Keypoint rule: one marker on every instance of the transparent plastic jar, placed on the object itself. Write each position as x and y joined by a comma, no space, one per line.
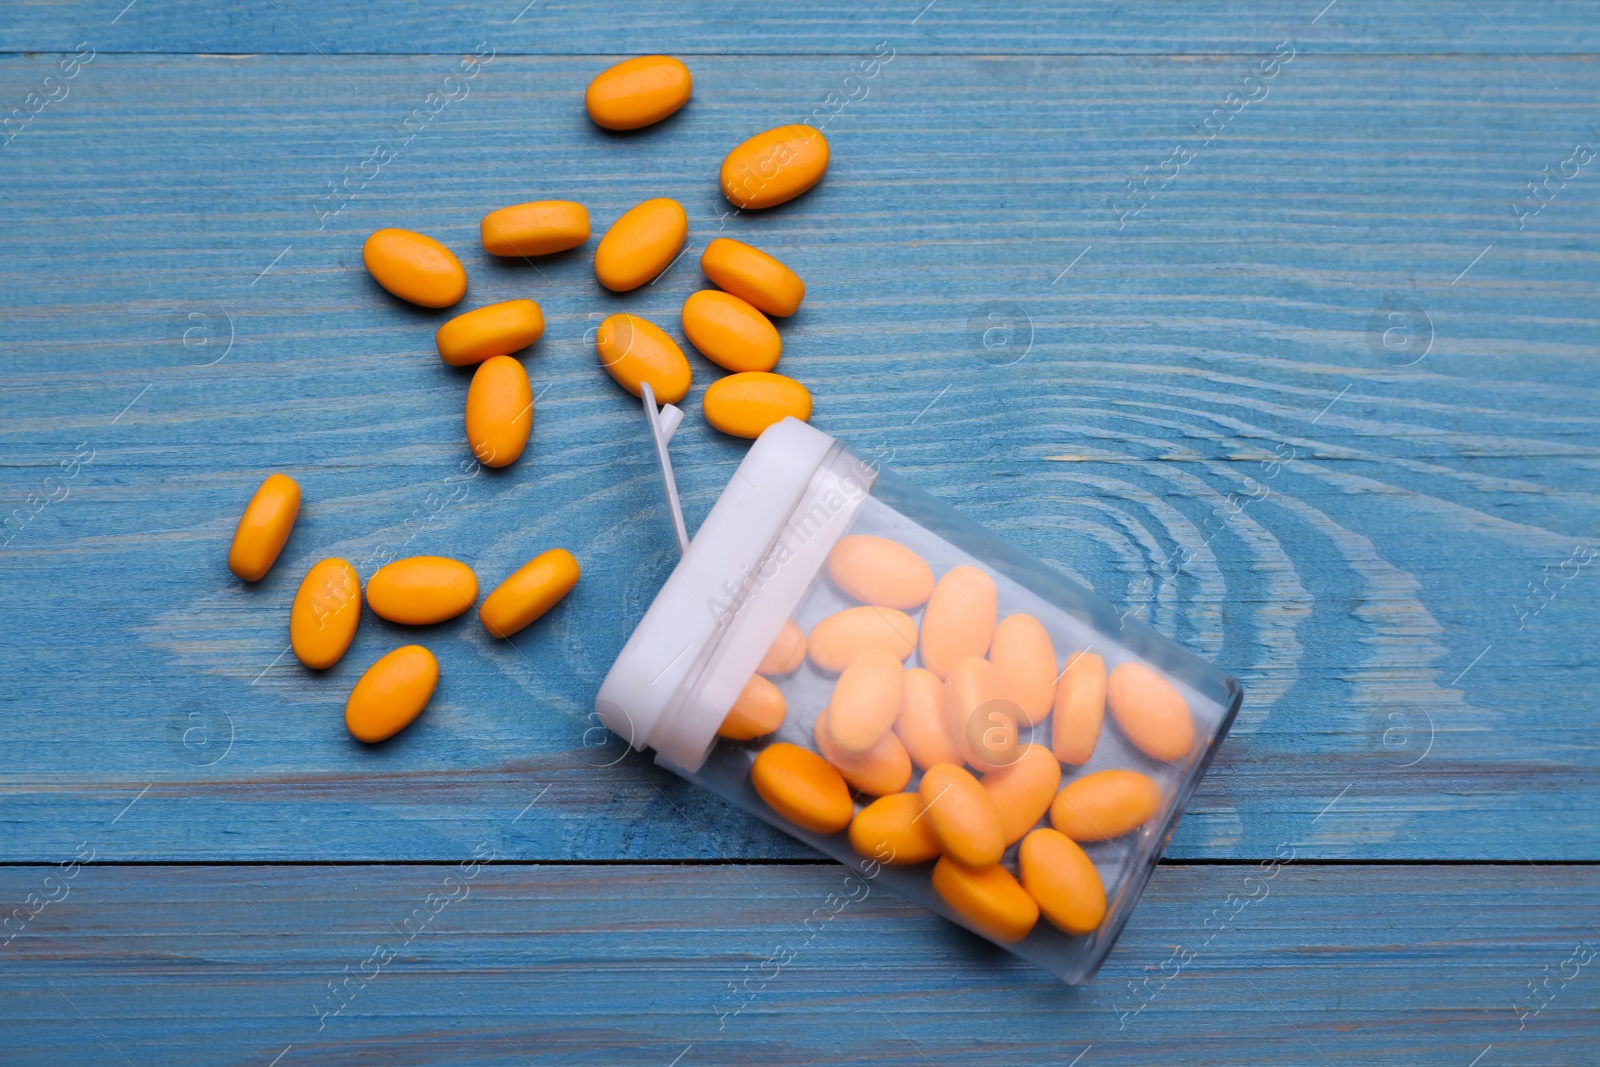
760,560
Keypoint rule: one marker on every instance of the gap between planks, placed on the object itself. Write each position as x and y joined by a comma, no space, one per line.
989,53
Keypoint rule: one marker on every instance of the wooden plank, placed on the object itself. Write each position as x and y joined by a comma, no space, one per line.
706,28
711,965
1372,591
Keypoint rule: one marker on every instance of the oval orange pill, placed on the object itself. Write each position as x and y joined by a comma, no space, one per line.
876,570
1104,805
499,413
753,276
1062,880
800,786
988,900
414,267
758,711
1080,707
531,591
866,700
264,527
961,815
921,723
637,92
421,589
891,830
633,350
391,694
980,716
730,332
1150,713
883,769
537,228
495,330
774,166
322,620
844,635
742,405
1022,652
788,651
641,244
959,620
1022,792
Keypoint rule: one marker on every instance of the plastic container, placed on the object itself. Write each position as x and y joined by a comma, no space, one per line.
759,560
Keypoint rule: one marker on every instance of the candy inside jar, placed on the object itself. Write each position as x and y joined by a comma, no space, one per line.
851,660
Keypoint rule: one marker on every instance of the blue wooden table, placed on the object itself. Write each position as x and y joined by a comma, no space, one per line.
1276,324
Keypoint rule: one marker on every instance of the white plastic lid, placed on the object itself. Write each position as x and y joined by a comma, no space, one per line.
790,500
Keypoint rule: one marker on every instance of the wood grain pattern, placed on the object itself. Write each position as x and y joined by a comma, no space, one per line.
658,965
1367,580
710,27
1243,314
